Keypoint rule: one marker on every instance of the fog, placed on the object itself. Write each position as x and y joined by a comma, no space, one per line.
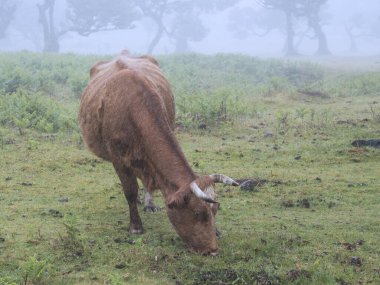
260,28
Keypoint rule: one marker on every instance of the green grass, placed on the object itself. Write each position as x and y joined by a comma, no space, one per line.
64,219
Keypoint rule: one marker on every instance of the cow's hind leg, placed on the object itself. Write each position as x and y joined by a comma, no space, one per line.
130,189
149,206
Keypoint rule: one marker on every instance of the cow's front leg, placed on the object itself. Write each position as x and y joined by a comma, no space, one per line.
130,189
149,206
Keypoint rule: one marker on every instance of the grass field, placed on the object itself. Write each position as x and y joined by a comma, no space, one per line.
314,218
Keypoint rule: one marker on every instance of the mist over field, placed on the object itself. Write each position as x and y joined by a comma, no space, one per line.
261,27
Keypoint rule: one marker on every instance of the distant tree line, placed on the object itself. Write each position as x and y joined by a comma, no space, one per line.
293,11
286,17
297,9
181,20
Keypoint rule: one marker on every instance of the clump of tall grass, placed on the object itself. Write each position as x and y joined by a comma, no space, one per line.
211,108
36,271
23,110
52,75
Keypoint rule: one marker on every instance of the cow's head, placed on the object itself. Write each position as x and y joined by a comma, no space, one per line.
192,211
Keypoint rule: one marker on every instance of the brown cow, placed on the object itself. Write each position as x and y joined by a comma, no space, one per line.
127,117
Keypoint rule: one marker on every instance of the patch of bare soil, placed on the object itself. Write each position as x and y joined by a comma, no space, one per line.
353,245
302,203
340,281
314,94
86,161
287,203
52,212
295,274
124,240
346,122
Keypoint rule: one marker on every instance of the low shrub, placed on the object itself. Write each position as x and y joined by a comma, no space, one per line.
211,108
23,110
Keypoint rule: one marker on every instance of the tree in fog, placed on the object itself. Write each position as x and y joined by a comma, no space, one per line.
289,8
245,22
277,15
7,11
156,11
88,17
311,9
47,20
359,26
248,21
84,17
185,27
179,20
355,27
26,25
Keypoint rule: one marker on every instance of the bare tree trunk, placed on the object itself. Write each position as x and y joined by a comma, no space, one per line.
289,43
352,37
322,41
46,19
157,37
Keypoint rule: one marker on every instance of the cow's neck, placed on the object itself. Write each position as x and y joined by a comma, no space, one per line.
171,167
173,173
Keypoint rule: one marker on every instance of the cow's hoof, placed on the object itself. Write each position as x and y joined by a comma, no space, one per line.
136,229
151,209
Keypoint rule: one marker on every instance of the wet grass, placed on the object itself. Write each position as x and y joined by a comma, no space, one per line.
63,208
314,219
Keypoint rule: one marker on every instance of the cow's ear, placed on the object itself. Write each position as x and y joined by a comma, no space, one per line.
214,208
178,199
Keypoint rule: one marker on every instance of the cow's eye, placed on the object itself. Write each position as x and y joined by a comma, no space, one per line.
201,216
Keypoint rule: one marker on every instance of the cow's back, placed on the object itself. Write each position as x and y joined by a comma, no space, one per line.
113,89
